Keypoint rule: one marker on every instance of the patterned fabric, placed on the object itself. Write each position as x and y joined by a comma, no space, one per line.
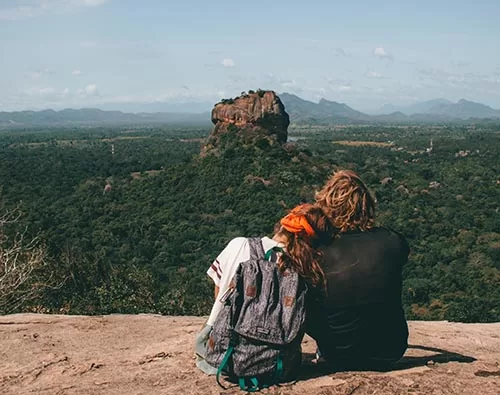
224,267
262,318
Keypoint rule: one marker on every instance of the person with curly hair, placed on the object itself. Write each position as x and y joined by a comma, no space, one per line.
359,322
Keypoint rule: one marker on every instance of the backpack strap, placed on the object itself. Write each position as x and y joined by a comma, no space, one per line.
271,253
256,248
254,384
223,364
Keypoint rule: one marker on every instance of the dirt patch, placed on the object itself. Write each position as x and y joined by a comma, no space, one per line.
193,140
136,175
110,140
354,143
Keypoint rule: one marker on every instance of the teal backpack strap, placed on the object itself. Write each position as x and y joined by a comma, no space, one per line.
279,369
270,252
223,364
243,386
253,388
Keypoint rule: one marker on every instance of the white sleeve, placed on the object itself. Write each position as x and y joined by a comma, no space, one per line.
225,264
223,269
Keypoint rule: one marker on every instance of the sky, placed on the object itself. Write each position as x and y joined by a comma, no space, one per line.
128,54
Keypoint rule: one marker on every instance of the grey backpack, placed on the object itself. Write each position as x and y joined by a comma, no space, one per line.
257,336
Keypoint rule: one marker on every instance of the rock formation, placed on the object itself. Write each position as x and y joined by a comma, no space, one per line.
151,354
248,118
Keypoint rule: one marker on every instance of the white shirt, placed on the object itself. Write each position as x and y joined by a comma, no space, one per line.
224,267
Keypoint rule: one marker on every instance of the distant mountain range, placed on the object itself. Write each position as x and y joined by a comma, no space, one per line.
304,111
301,112
89,116
463,109
439,110
415,108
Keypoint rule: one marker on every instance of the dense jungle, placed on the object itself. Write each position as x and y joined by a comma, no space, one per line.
128,219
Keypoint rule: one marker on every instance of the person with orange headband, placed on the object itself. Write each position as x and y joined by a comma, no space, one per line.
300,234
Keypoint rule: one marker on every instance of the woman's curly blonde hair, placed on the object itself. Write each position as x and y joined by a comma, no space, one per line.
347,202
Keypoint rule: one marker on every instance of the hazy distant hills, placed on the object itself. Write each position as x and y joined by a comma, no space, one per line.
438,110
463,109
416,108
323,112
97,116
301,112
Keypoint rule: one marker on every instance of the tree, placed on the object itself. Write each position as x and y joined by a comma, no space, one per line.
19,258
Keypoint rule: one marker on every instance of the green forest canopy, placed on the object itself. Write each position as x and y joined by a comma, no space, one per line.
145,244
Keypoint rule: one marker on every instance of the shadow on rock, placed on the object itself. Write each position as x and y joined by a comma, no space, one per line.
433,355
438,356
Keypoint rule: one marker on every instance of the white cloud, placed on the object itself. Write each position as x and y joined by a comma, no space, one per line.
40,73
46,91
15,13
373,74
42,92
461,84
76,73
345,88
92,3
381,53
288,84
89,90
173,95
34,8
228,62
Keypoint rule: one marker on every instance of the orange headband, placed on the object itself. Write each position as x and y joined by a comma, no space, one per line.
295,223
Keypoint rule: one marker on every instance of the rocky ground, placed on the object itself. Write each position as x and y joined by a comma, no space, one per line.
149,354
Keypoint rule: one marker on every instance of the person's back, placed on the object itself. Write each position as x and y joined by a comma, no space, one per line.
359,322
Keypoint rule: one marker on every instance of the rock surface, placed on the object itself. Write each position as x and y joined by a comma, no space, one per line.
257,114
149,354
